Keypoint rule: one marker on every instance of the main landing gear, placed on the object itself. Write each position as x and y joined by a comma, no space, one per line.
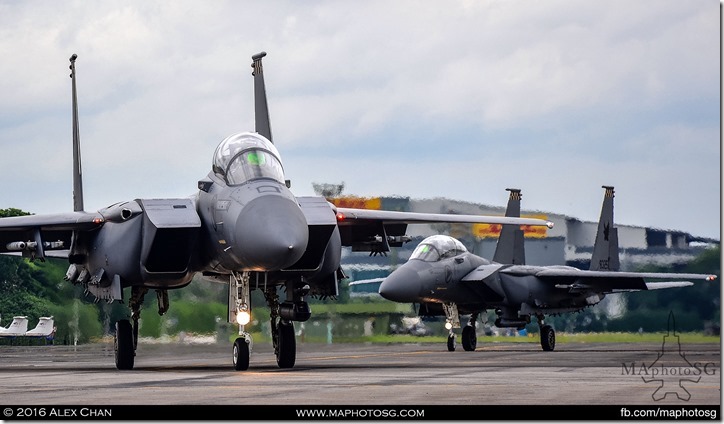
470,337
285,345
547,335
125,341
124,346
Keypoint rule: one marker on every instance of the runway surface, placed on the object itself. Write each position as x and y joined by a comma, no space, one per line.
366,374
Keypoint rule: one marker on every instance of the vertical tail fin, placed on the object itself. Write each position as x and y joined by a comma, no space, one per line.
261,110
605,248
77,172
510,248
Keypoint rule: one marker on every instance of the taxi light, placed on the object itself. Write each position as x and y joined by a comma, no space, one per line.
243,317
448,325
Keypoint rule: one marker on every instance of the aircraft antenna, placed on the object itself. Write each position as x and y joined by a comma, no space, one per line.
261,110
77,172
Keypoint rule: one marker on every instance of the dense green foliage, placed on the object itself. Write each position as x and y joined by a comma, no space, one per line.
4,213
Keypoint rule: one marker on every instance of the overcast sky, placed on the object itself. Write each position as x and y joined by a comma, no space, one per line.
457,99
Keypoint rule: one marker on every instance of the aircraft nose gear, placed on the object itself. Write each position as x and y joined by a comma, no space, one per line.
452,320
240,303
451,342
242,352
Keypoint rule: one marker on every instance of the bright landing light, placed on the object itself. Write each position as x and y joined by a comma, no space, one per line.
448,325
243,317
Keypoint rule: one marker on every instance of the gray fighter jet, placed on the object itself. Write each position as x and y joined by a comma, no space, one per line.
444,279
243,227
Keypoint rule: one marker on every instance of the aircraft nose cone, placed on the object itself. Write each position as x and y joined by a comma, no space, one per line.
271,233
402,285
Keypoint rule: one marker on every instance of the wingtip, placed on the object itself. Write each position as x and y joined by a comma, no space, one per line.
549,224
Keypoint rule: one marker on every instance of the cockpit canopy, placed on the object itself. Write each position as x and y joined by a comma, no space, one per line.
247,156
438,247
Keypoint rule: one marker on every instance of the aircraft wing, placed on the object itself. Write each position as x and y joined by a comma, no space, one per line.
52,231
349,216
368,281
377,230
574,279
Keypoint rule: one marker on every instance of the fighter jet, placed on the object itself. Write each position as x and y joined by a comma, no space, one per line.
445,279
243,227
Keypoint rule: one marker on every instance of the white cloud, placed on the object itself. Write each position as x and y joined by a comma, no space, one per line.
553,96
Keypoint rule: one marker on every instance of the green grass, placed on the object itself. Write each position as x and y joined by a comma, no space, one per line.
688,338
634,338
533,338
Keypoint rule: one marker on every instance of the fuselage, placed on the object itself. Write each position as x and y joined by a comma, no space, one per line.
432,274
251,220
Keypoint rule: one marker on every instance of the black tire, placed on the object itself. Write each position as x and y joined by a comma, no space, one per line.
547,338
241,354
287,352
123,345
470,339
451,343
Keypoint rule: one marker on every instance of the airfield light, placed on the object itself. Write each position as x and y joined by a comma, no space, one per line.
243,317
448,325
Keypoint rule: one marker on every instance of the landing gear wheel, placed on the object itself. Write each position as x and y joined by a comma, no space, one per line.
287,351
547,338
123,345
241,354
470,339
451,343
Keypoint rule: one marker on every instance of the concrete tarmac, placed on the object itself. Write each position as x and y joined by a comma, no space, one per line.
366,374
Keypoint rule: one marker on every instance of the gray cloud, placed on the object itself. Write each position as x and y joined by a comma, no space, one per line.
557,98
